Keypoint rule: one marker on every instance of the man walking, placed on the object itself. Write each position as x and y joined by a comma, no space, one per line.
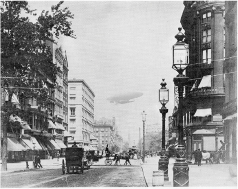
199,157
38,162
195,157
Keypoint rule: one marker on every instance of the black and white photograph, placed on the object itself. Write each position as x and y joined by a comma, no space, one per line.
118,94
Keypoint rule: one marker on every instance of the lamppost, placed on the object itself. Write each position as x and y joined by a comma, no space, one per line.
143,119
163,98
180,62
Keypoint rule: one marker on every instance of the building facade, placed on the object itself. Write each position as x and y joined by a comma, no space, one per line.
203,22
104,131
230,81
34,127
81,112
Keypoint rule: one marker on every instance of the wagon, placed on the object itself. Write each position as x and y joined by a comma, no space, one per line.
74,160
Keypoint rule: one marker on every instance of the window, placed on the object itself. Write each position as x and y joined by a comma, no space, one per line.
72,132
206,36
72,121
72,88
72,98
72,111
206,56
206,17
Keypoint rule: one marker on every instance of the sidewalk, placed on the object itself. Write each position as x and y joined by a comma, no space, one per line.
206,175
21,166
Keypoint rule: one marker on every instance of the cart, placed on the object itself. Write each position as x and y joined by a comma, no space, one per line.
74,160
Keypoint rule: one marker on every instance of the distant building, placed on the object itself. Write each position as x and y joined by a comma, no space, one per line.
81,111
104,130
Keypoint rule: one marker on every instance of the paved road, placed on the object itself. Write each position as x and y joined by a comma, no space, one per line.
97,176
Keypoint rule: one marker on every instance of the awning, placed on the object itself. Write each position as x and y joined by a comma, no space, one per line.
24,144
172,138
25,125
60,143
54,144
92,137
51,125
205,82
36,144
42,145
231,117
203,112
66,134
14,145
15,99
204,132
194,85
59,126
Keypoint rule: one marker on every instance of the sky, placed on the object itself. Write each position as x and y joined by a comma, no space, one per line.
123,50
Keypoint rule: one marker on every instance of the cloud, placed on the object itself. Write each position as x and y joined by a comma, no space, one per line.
125,97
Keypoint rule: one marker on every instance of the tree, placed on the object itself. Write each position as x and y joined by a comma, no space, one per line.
125,147
26,58
153,141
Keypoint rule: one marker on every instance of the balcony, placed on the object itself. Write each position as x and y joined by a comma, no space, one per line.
207,91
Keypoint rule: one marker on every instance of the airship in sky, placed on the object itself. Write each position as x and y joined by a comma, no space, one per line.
125,98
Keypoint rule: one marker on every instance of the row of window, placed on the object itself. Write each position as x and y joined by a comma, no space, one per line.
101,129
86,114
85,101
85,92
206,39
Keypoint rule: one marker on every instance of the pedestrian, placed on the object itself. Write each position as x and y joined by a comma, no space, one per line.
107,152
38,162
127,159
199,157
58,156
195,157
222,150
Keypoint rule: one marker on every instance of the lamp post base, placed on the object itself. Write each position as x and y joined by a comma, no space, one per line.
163,165
180,169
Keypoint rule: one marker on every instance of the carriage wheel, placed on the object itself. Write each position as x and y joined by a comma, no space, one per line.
108,162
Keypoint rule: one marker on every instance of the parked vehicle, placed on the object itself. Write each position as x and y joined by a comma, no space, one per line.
74,160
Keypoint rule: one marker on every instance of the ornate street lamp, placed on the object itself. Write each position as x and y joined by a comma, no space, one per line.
143,119
163,98
180,62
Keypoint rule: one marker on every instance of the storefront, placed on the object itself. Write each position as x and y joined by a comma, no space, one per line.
16,150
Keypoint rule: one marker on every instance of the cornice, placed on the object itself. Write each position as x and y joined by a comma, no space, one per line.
214,5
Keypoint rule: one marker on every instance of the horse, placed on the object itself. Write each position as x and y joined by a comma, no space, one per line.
216,156
207,157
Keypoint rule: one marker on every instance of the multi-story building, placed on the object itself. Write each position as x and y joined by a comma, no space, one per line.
203,22
230,81
81,111
39,128
60,115
104,131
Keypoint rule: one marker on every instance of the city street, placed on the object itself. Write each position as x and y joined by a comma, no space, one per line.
98,175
